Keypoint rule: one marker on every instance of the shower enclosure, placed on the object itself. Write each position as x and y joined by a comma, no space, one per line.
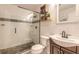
17,27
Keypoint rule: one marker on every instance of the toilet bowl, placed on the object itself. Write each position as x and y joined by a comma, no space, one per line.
38,48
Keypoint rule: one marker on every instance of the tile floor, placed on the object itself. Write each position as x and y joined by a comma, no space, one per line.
28,51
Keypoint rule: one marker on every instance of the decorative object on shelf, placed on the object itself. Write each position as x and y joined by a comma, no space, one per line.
44,14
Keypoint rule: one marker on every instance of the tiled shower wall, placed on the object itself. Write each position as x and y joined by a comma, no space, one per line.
11,18
10,38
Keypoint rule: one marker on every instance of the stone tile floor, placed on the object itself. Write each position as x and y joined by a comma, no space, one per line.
28,51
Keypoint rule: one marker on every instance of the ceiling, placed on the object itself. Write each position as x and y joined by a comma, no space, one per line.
33,7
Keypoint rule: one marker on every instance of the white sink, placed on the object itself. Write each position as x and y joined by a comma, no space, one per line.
75,39
65,42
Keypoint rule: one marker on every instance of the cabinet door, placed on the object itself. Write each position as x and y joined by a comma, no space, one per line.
77,49
72,48
51,48
65,51
56,50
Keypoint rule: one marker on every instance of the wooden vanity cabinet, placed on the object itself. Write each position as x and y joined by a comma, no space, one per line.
66,51
56,49
77,49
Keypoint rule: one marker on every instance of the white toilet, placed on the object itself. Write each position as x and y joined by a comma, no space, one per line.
38,48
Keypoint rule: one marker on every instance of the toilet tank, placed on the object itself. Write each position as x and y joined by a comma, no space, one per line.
44,40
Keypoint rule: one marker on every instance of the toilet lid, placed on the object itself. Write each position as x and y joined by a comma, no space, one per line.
37,47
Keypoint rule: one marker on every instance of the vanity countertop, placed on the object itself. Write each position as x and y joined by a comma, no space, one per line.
65,42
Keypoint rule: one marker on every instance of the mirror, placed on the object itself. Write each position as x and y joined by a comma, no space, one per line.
66,13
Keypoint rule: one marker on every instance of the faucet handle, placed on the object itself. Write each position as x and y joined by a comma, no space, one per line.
68,34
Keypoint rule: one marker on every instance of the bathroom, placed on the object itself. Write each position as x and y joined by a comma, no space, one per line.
26,28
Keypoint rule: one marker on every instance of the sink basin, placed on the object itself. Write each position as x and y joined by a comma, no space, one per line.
75,39
65,42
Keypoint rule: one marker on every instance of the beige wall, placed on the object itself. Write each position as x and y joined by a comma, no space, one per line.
47,27
33,7
50,27
13,12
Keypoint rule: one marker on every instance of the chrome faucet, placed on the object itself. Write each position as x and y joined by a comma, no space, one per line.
64,35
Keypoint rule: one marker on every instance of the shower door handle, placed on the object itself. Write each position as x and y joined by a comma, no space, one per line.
15,30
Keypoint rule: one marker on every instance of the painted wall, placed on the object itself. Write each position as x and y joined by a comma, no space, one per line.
47,27
33,7
13,12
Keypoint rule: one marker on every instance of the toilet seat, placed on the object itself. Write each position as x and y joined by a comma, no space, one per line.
38,48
